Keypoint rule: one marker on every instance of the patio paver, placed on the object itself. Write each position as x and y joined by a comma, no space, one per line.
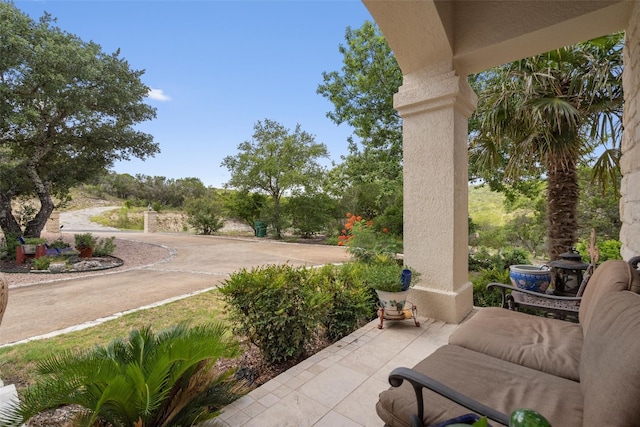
339,385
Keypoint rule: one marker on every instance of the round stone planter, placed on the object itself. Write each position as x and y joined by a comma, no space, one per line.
530,277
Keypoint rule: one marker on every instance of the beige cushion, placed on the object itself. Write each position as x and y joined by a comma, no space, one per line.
609,369
611,275
501,385
548,345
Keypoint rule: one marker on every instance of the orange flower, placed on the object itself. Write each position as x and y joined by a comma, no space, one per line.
385,230
348,214
348,225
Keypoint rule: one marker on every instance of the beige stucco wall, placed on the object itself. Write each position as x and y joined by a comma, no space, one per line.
630,164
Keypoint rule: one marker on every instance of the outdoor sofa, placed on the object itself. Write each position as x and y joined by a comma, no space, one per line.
574,374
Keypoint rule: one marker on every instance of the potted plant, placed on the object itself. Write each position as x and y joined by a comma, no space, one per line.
30,244
391,282
85,243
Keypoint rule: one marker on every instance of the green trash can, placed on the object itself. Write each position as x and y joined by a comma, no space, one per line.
261,228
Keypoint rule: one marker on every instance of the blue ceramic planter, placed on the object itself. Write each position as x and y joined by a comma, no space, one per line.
530,277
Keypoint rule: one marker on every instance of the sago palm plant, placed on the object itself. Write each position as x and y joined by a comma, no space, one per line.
163,379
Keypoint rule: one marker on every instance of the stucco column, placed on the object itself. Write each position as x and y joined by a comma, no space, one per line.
630,162
435,106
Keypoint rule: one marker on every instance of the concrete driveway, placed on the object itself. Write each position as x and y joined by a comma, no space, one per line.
193,263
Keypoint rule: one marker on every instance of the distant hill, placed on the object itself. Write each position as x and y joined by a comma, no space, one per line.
486,207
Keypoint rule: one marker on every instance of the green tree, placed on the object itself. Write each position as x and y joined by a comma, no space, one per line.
205,213
276,161
163,379
122,186
68,111
540,115
362,94
310,213
598,209
527,226
245,206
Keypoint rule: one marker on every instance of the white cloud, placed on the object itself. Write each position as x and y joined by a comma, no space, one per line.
158,95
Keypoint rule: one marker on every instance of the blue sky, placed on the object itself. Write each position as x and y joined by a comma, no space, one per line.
218,67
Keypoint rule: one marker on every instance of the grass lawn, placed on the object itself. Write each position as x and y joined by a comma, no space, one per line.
17,363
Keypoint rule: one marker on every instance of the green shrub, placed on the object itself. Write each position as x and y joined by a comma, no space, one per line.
104,246
351,303
277,307
383,274
59,244
512,256
483,258
34,241
310,213
365,244
9,246
42,263
126,221
204,214
487,298
609,249
480,259
85,240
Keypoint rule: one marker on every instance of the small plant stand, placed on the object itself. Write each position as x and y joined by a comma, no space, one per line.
410,311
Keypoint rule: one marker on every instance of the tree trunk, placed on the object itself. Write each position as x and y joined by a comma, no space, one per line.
8,222
276,216
36,225
562,205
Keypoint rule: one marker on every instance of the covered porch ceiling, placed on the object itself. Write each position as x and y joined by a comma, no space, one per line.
480,34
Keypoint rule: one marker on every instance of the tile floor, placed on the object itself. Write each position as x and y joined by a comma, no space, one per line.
339,386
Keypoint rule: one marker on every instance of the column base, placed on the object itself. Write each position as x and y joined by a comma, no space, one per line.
449,307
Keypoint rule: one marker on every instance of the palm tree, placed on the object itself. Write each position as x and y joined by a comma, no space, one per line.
164,379
543,116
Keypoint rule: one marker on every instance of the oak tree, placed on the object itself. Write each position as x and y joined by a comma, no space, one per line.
276,161
68,110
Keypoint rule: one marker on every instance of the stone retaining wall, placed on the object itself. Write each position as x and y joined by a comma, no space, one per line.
172,222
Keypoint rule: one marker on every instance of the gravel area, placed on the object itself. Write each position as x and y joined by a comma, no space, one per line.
133,253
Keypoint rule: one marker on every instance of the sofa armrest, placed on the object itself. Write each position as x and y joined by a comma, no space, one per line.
419,381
